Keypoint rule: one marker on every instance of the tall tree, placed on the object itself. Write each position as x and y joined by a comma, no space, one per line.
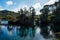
44,21
32,11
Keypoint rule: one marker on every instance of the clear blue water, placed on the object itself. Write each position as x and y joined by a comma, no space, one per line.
4,22
16,33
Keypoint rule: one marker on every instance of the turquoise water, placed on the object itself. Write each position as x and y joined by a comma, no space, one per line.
16,33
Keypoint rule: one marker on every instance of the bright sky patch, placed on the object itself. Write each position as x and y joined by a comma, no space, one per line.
9,3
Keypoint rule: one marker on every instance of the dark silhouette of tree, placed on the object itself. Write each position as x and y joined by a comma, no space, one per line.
32,11
57,17
44,20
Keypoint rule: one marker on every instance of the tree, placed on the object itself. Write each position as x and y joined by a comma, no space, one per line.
32,11
44,14
44,21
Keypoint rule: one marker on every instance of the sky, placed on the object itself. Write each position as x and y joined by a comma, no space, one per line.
16,5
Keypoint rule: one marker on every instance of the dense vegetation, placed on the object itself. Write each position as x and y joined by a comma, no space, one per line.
50,17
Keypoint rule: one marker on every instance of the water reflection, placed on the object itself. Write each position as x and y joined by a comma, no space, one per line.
23,32
18,33
10,29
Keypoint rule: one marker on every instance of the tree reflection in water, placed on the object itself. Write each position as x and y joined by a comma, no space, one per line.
23,32
10,29
18,33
